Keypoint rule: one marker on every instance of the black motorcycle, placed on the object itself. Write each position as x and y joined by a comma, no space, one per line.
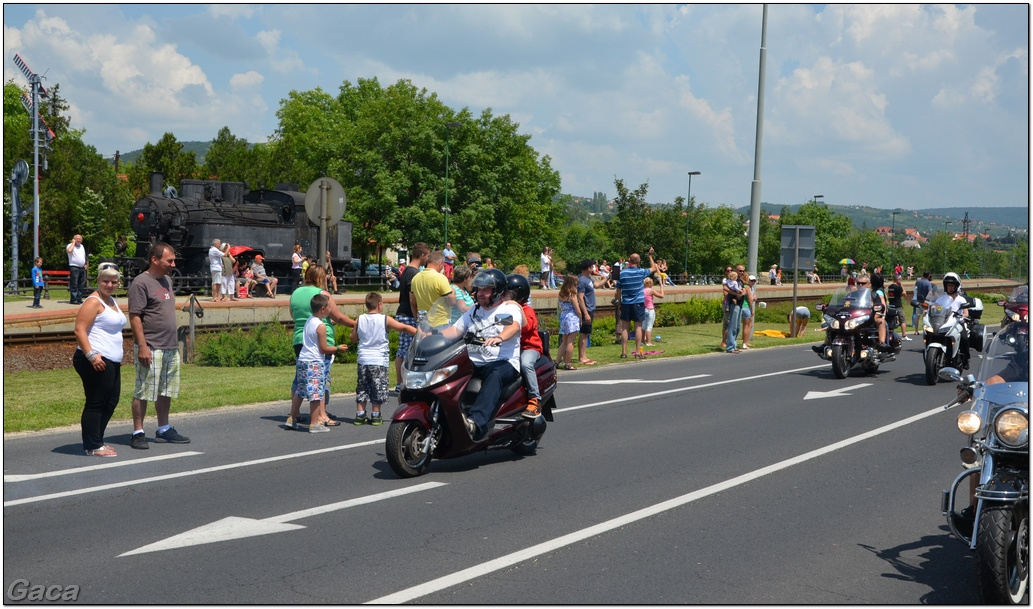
993,488
852,338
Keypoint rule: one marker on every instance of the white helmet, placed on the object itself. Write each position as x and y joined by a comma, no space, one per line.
951,278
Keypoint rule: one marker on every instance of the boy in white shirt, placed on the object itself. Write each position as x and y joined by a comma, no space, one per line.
371,336
311,365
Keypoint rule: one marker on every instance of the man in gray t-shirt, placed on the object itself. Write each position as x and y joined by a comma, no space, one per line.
152,318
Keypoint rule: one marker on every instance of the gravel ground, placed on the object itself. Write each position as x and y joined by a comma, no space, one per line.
54,356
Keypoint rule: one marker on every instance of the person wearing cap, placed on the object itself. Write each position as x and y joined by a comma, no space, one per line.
258,268
749,311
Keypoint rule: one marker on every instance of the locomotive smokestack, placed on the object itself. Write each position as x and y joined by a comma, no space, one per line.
157,179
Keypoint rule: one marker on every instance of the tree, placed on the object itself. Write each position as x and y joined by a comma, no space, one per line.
168,157
228,157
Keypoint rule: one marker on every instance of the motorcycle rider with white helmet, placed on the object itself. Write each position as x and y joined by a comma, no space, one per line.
952,288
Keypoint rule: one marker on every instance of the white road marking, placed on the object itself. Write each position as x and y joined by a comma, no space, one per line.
193,472
90,468
447,581
689,388
627,381
835,393
234,527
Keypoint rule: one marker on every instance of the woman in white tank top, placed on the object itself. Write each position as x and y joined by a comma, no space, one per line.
98,359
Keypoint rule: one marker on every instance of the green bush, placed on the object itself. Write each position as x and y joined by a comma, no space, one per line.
988,297
268,344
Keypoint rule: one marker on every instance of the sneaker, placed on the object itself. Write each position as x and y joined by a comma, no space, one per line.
360,419
533,409
376,420
906,337
318,428
139,441
171,436
394,392
471,427
291,423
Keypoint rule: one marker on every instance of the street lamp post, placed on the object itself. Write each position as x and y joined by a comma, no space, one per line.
816,197
448,131
945,224
893,237
688,203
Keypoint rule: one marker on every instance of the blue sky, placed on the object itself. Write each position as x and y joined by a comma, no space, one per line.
912,106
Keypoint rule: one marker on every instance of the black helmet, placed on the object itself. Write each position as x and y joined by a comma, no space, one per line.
520,286
491,278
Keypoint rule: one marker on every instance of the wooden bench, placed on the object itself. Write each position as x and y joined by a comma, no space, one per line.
56,278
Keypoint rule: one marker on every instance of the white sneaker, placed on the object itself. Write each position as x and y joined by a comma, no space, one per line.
906,337
318,428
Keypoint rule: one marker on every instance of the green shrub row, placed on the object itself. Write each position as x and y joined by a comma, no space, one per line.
268,344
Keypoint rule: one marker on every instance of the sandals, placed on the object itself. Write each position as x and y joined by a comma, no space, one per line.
331,423
567,367
590,362
103,451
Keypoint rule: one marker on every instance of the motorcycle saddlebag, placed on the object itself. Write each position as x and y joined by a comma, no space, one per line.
977,338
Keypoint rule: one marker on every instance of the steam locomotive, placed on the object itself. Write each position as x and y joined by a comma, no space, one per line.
270,222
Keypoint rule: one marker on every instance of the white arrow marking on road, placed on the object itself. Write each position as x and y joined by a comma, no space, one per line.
235,527
643,381
90,468
815,395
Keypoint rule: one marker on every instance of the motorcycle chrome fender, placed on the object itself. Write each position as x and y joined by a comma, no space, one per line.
1004,487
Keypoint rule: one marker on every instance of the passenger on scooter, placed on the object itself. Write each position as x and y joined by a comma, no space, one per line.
952,288
530,343
496,361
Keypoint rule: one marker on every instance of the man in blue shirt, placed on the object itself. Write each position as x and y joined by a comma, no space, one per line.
633,301
923,288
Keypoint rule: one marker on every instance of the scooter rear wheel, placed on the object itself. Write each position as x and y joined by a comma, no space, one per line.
405,452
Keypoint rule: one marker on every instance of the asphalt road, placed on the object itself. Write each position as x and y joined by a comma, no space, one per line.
708,479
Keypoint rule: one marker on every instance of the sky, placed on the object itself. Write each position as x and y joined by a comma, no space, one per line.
890,106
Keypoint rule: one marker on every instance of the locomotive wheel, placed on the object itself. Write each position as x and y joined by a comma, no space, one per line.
176,279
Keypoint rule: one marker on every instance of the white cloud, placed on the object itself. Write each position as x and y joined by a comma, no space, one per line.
247,80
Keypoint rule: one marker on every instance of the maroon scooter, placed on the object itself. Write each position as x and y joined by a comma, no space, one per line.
439,387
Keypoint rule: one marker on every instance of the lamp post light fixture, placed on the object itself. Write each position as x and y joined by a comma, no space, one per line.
816,197
448,131
688,203
893,237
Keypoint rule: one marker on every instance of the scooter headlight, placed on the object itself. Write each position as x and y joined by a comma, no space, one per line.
969,422
421,380
1012,427
831,321
856,322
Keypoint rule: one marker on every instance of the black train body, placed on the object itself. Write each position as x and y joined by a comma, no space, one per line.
270,222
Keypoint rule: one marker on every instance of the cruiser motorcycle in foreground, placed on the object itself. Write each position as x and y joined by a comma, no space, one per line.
987,506
438,388
1016,307
852,337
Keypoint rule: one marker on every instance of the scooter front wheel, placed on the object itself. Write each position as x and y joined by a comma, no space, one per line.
405,453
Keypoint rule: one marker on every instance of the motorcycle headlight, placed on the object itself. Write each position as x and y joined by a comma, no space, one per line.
856,322
1014,316
831,321
969,422
929,329
420,380
1012,428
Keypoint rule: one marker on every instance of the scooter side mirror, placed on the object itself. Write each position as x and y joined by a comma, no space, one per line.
821,306
1001,303
504,320
950,374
